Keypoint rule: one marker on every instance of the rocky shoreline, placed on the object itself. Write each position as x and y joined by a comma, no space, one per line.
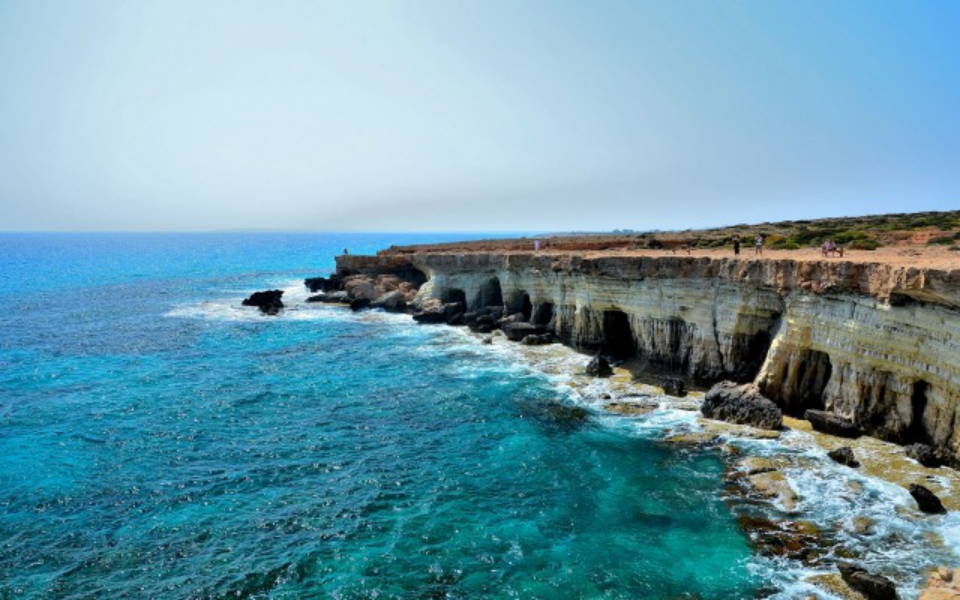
729,410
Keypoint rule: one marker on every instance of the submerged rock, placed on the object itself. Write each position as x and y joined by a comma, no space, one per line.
874,587
268,301
844,456
673,387
741,404
826,422
925,455
927,501
773,485
599,367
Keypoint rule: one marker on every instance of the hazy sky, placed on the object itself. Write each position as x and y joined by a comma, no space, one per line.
473,115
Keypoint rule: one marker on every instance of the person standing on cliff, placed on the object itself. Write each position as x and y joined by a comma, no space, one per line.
345,252
536,245
758,244
736,245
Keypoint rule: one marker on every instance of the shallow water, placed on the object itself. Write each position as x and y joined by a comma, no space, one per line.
161,441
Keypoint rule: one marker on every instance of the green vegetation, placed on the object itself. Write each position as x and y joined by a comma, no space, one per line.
941,241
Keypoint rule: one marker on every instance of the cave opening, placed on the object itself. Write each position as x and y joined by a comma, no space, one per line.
917,433
490,294
454,295
618,339
526,307
543,314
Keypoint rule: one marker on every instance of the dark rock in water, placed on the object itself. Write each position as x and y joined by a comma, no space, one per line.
359,304
826,422
673,387
391,301
925,455
268,302
322,284
741,404
456,319
482,328
796,540
605,396
599,367
517,331
510,320
488,340
844,456
495,312
317,298
469,318
927,501
874,587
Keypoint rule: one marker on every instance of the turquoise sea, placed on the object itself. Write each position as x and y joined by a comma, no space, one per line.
158,440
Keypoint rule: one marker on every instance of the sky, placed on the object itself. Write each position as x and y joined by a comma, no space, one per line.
462,115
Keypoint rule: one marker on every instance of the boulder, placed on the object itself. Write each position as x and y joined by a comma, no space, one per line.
268,301
361,286
673,387
874,587
359,304
844,456
317,298
517,331
537,339
322,284
488,340
435,311
599,367
924,454
927,501
826,422
391,301
741,404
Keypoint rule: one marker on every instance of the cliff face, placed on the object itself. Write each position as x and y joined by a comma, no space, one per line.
874,343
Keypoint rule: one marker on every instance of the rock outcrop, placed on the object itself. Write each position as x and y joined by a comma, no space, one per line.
874,587
741,404
599,367
927,501
826,422
269,302
873,344
844,455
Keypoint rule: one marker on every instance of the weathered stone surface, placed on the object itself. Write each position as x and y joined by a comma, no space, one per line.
943,584
392,301
599,367
537,339
825,422
359,304
874,587
434,311
331,298
268,302
773,485
844,456
927,501
322,284
742,404
630,409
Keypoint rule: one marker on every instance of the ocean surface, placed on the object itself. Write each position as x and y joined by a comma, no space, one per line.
158,440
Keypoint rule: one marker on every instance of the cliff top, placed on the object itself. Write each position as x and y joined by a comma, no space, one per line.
919,240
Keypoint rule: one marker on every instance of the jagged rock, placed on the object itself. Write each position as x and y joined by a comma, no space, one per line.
874,587
488,340
773,485
599,367
927,501
510,320
332,298
517,331
392,301
925,455
268,301
322,284
673,387
826,422
844,456
631,409
456,319
359,304
741,404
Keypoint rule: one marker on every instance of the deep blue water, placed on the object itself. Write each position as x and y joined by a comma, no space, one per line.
158,440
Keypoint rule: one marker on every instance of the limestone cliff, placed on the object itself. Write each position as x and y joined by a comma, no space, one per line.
875,343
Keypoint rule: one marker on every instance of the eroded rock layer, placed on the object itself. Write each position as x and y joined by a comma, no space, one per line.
873,343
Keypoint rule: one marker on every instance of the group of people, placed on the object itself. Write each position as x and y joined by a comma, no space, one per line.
830,248
757,245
